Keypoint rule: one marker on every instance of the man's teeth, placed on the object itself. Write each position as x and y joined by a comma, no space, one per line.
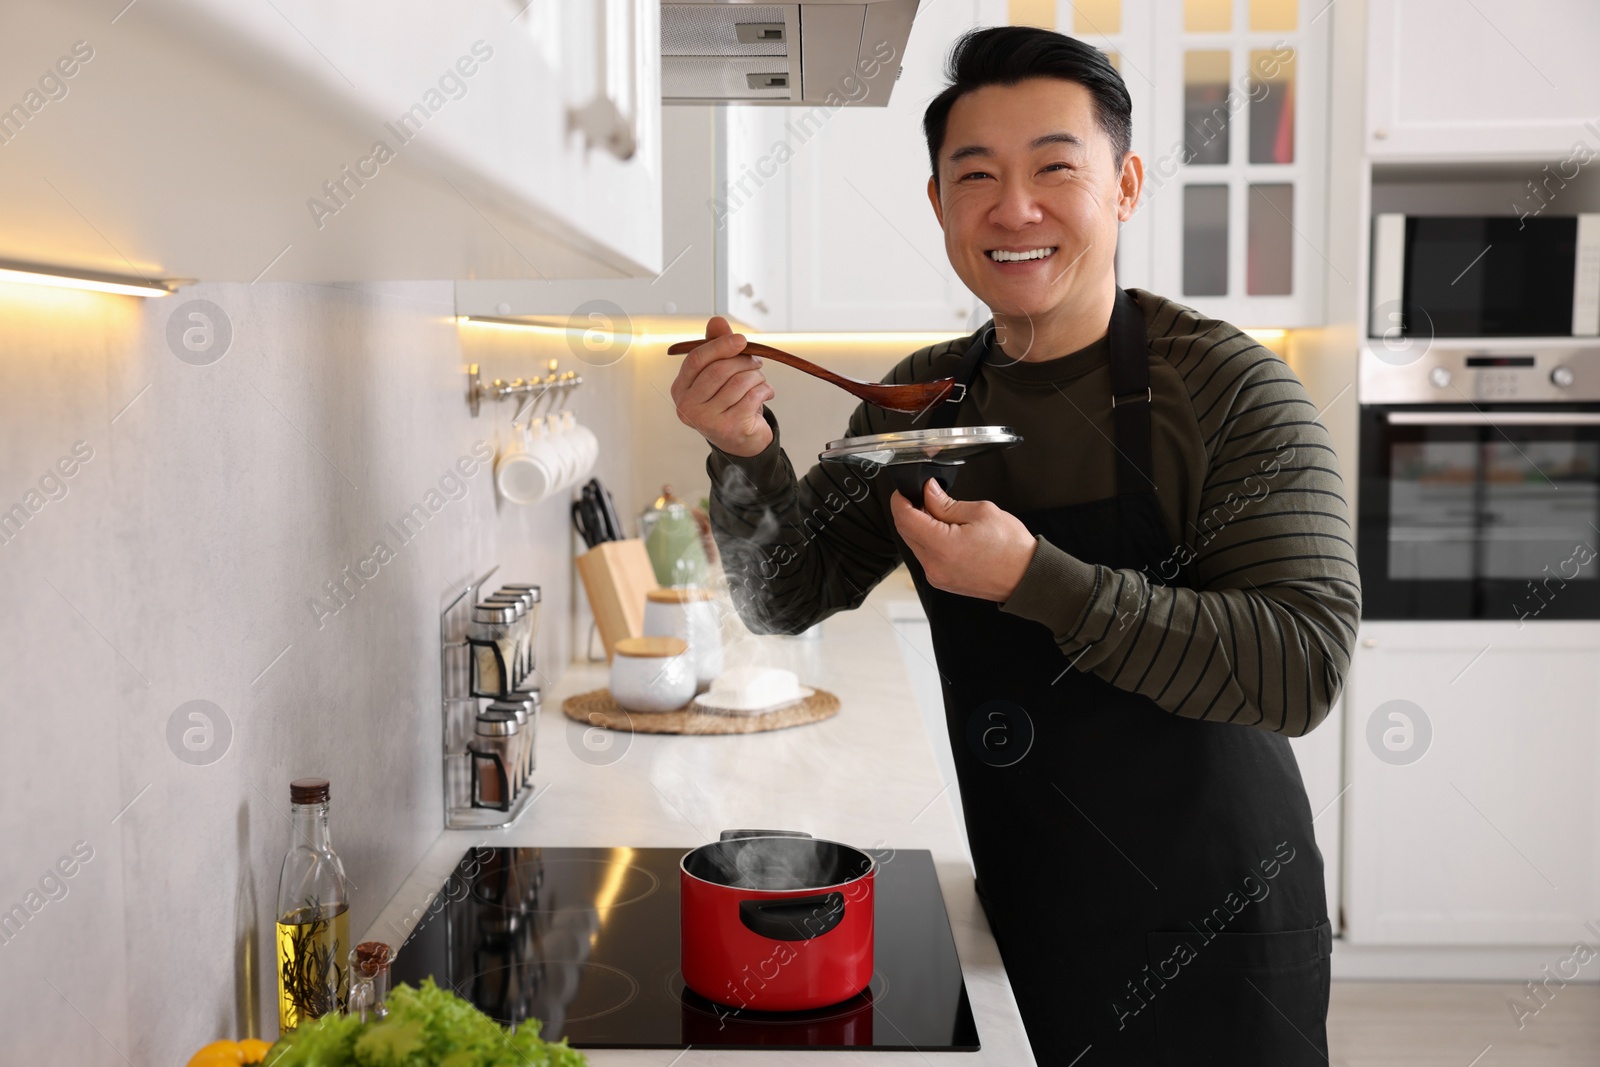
1001,256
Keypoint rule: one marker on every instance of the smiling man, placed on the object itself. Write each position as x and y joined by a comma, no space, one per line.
1132,609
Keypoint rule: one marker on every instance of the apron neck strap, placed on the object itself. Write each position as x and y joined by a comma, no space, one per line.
1130,395
1130,390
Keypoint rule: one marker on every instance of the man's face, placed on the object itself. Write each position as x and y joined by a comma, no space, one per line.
1025,168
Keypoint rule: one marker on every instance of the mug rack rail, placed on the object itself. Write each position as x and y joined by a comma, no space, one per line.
530,388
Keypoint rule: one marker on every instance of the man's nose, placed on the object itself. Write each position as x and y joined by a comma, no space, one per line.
1016,207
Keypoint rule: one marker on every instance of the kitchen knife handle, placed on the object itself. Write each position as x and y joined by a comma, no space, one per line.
793,918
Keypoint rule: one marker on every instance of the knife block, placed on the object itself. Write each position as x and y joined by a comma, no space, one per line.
616,576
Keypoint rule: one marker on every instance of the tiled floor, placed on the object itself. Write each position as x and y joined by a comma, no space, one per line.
1413,1024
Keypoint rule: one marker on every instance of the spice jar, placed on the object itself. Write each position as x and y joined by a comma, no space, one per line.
526,608
493,753
530,700
369,980
530,590
493,653
517,655
517,769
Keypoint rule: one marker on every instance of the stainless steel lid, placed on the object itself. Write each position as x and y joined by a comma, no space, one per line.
920,446
497,724
525,587
494,612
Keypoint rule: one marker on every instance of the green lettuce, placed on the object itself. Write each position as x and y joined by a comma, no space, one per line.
426,1027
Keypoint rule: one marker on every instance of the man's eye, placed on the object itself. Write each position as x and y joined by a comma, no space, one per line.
975,174
1062,166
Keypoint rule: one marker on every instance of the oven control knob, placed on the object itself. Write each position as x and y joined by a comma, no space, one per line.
1561,377
1439,376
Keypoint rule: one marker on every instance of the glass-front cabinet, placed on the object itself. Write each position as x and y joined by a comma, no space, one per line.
1230,117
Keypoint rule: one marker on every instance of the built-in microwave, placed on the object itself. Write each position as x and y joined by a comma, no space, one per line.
1485,276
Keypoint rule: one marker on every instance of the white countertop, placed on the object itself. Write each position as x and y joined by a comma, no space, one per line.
867,777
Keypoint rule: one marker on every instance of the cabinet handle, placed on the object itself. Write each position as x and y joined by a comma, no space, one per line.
601,119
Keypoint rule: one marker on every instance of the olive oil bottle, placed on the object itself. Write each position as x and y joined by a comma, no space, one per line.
313,939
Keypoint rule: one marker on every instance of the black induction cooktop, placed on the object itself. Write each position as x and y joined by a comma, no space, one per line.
586,939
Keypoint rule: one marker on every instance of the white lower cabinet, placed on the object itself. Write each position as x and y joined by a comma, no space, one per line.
1473,813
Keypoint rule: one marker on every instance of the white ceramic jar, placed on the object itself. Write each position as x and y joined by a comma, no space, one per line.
689,614
652,673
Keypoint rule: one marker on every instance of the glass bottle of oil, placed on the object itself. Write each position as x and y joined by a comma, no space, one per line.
313,914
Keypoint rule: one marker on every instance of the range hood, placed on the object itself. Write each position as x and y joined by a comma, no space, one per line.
835,52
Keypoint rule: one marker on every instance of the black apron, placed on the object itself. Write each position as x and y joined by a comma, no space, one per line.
1152,881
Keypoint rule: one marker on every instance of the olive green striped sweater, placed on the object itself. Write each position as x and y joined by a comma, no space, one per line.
1248,486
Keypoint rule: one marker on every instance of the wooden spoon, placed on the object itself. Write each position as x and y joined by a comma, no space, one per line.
916,397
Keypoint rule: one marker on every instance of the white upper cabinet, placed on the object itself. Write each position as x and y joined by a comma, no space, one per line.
823,219
1490,79
1236,169
296,140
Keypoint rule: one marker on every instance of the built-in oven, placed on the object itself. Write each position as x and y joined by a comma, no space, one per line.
1479,481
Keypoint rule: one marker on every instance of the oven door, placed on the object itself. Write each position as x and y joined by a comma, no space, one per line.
1480,513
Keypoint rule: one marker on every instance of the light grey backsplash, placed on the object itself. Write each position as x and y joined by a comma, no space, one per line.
180,563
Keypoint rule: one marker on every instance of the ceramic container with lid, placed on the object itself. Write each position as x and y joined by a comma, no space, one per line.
652,673
690,614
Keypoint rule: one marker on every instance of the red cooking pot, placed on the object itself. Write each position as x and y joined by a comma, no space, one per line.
775,920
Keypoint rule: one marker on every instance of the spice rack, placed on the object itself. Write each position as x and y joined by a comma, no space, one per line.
460,712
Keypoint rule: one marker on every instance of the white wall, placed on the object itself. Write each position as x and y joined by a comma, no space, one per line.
178,566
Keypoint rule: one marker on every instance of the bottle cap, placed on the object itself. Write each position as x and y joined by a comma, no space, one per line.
308,791
525,587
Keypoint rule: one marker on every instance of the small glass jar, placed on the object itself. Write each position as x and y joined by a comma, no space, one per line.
369,980
530,700
493,751
492,639
525,613
514,643
530,590
518,768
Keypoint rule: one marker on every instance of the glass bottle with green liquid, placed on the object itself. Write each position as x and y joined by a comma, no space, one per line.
313,914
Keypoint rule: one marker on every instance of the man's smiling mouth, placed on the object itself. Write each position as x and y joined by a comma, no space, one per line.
1001,255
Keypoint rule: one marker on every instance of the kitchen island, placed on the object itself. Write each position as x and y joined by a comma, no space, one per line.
867,777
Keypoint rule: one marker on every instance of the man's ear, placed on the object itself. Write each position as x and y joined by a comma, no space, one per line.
1129,185
933,198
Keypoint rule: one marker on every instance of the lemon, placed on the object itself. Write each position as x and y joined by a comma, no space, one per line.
218,1054
254,1049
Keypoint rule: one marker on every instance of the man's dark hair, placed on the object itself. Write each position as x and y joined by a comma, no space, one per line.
1006,55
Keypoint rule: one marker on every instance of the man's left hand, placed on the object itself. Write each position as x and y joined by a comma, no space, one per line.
967,547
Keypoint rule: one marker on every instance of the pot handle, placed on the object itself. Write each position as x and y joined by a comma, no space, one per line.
793,918
735,835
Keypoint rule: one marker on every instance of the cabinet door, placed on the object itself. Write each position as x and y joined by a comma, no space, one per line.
299,141
1235,182
828,221
1473,813
1488,79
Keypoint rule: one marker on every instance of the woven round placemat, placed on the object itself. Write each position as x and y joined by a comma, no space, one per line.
597,708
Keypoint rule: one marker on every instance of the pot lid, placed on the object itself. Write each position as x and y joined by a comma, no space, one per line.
920,446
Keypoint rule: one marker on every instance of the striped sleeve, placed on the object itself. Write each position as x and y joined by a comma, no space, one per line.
1263,635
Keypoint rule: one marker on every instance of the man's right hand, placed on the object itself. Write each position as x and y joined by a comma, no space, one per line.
719,392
